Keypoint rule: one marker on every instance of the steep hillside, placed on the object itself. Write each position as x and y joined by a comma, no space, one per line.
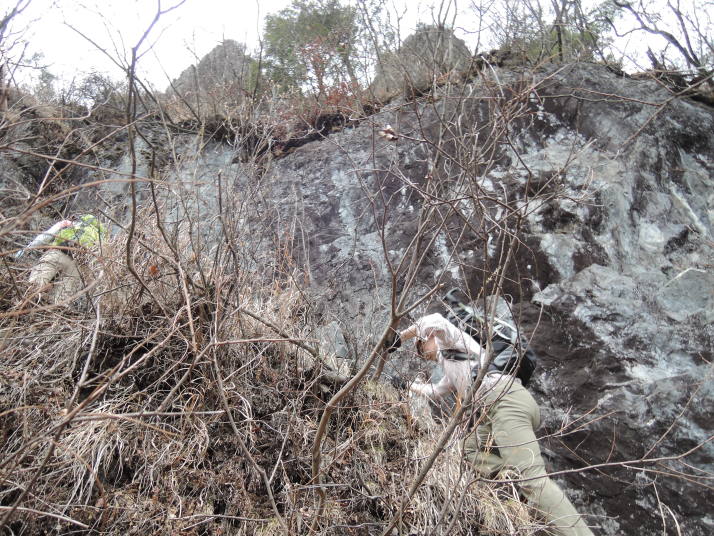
182,391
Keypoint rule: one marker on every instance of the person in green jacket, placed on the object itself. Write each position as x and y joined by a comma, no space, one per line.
62,241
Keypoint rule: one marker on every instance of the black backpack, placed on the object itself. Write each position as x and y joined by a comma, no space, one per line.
511,353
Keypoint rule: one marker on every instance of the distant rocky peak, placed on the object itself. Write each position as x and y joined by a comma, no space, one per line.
228,65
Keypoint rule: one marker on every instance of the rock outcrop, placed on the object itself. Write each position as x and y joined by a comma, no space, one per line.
614,278
220,78
427,57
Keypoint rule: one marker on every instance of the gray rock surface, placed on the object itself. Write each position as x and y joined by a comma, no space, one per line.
616,279
225,70
424,57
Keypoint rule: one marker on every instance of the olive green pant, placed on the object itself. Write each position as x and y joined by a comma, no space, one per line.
506,440
60,267
53,263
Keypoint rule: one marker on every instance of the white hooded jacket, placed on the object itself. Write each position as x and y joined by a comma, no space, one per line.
457,373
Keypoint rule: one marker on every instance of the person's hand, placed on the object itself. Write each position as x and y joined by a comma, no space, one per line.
419,380
417,387
393,342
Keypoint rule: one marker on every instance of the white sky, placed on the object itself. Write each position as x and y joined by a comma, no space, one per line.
186,34
178,40
191,30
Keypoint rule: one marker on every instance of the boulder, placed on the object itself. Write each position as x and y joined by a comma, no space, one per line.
427,58
220,78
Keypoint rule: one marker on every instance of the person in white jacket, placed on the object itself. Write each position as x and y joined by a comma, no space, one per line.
506,438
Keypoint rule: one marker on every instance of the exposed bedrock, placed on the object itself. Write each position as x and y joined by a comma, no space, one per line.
614,276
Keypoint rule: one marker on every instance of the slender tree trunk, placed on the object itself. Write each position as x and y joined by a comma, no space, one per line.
558,25
3,90
347,62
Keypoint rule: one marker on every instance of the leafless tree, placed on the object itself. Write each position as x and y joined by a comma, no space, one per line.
10,41
689,34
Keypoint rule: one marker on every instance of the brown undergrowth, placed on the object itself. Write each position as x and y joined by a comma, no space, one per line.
113,410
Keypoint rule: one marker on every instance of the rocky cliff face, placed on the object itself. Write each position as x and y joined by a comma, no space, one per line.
614,276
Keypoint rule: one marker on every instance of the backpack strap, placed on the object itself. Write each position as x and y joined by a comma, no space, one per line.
455,355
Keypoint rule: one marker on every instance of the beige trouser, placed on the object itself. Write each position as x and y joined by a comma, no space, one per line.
509,429
56,263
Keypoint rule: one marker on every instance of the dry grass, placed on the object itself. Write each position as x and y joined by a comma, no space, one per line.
113,421
171,393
